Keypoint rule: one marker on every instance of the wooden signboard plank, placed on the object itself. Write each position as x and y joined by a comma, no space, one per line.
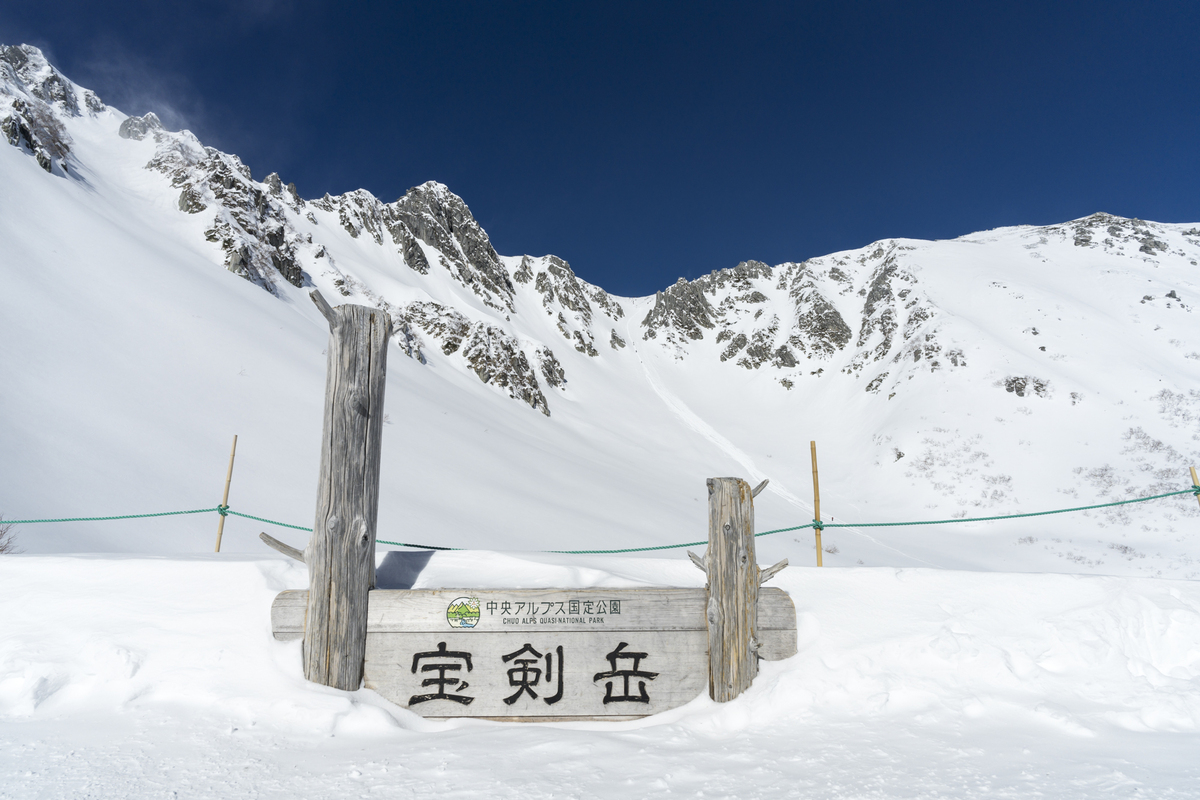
538,673
542,653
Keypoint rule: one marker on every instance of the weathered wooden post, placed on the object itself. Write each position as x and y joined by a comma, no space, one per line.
341,552
816,503
733,582
225,497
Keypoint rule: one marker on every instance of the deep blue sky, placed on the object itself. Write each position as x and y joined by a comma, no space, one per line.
648,141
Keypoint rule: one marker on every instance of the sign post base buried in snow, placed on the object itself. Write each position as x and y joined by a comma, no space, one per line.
560,654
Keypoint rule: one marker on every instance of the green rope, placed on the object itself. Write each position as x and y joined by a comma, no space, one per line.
816,524
96,519
418,546
627,549
270,521
1194,490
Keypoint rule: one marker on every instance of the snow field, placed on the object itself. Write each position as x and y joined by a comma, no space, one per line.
138,677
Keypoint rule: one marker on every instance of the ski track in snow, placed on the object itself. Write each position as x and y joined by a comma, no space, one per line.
695,423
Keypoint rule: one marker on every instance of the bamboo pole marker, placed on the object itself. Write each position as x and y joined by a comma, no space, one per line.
816,502
341,552
1195,481
733,582
225,497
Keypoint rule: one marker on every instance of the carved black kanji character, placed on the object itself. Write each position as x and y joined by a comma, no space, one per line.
573,607
625,675
505,608
614,606
523,676
491,606
448,663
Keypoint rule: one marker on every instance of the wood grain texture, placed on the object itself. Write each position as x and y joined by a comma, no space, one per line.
733,585
663,670
225,496
341,551
286,549
667,624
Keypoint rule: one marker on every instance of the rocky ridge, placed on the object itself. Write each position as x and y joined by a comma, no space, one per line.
33,96
863,314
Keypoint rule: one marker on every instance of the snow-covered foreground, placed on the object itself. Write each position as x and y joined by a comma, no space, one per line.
158,677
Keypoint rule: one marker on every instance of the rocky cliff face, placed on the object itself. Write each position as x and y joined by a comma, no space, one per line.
792,318
33,97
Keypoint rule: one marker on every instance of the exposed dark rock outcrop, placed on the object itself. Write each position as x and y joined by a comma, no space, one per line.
250,224
440,219
681,310
493,354
1112,234
31,126
36,94
26,65
497,358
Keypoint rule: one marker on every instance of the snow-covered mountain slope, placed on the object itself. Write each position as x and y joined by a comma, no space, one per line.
154,304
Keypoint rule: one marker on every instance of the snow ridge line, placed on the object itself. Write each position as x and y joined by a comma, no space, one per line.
223,510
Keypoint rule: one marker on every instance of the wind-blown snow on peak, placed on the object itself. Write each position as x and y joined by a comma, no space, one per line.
25,68
33,97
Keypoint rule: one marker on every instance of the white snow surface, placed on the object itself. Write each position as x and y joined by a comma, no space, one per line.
948,661
158,677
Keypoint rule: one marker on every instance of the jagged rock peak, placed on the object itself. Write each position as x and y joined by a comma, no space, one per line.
738,277
249,221
1112,232
25,65
679,310
32,95
441,219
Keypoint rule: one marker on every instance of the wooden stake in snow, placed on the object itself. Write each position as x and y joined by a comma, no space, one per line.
816,502
341,553
733,582
1195,481
225,497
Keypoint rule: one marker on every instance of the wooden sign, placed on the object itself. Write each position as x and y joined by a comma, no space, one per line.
526,654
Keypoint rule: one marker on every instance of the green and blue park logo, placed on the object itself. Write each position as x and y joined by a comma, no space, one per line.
463,612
